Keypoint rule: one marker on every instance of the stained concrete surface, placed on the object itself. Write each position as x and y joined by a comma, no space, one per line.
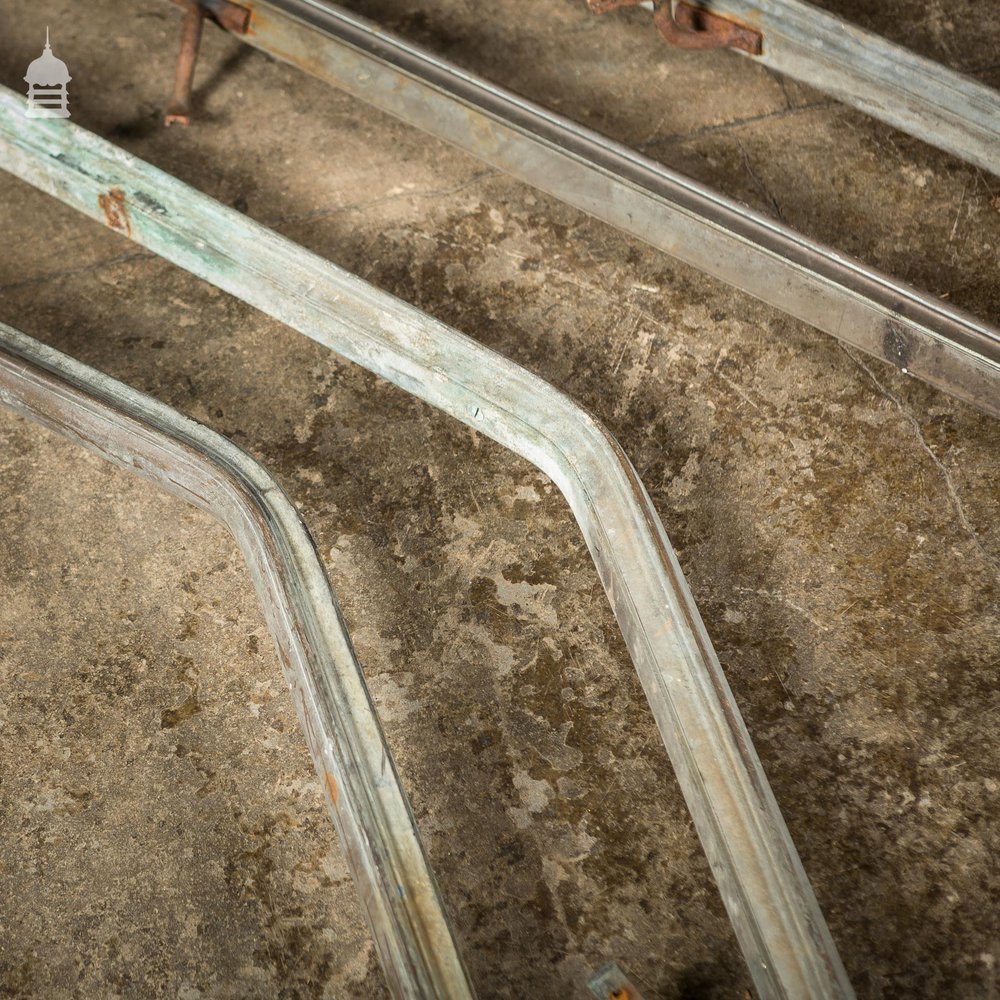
162,832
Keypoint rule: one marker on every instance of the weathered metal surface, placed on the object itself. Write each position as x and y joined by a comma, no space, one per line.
399,896
946,347
764,888
891,83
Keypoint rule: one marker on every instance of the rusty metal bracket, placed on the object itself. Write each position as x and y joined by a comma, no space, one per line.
231,16
690,27
687,26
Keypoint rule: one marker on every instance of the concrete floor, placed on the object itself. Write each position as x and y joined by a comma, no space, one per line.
161,831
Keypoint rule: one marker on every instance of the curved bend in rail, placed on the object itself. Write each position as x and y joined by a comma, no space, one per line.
370,810
764,888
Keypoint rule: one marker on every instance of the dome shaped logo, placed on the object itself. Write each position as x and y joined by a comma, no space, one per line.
47,78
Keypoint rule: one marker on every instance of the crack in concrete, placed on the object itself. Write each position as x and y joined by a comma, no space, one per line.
98,265
705,130
949,482
758,182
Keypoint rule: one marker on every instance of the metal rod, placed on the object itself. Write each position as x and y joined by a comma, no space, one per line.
916,332
768,897
398,894
179,110
891,83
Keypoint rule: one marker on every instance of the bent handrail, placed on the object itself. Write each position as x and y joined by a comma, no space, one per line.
370,810
768,897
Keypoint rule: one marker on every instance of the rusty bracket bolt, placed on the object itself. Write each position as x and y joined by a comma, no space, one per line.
230,16
688,26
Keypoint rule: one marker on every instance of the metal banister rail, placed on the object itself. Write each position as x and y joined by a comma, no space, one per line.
918,333
767,895
398,894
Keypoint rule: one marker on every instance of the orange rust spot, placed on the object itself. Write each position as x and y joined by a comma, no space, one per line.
331,787
620,994
115,213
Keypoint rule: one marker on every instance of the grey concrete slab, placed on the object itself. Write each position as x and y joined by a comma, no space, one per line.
162,832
